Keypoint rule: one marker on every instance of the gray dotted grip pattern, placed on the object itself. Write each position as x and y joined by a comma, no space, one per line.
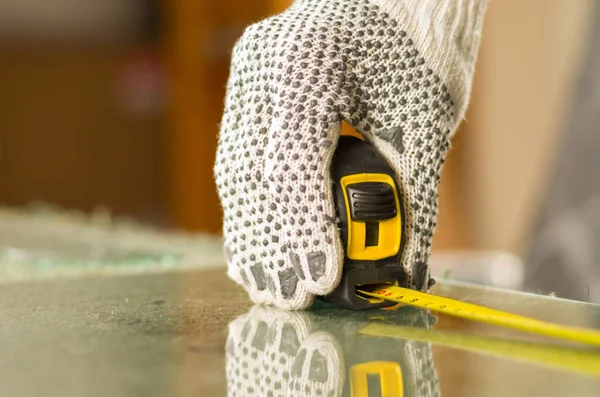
294,78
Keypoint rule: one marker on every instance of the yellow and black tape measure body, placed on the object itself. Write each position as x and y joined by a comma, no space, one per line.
371,222
371,214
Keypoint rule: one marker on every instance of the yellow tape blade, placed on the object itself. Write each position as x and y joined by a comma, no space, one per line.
482,314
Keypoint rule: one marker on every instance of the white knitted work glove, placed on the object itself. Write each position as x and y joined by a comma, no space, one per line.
399,71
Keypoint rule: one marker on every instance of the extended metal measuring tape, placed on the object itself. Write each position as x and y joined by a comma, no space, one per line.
371,220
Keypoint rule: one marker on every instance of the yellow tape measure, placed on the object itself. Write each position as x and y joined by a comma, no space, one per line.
479,313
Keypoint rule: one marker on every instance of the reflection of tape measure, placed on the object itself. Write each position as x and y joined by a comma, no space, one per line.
478,313
389,374
573,360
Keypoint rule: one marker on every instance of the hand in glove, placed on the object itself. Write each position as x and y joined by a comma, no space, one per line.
398,71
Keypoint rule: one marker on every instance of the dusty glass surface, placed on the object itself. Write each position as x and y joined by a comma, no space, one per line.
196,334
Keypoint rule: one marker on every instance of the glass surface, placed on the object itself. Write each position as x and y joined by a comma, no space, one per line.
196,334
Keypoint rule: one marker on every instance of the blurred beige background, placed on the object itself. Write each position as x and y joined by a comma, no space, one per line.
529,62
116,103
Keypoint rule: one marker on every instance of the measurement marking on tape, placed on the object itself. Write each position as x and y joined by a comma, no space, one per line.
483,314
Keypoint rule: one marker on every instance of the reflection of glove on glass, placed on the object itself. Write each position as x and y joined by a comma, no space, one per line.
269,350
312,353
399,71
